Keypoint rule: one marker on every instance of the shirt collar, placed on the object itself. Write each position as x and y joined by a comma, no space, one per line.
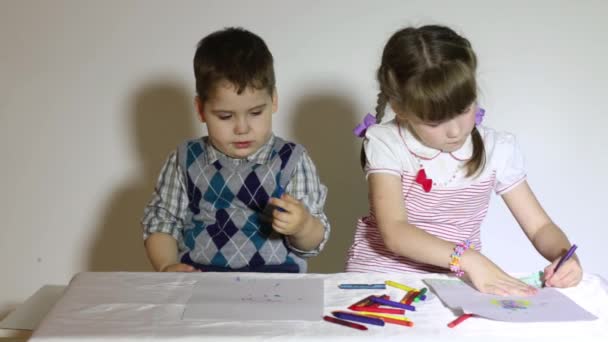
261,156
422,151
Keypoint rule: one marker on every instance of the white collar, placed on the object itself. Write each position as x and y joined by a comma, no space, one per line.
424,152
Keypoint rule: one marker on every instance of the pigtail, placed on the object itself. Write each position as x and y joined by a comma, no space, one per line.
478,159
380,109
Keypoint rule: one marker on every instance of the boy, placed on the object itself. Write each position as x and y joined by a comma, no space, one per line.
239,199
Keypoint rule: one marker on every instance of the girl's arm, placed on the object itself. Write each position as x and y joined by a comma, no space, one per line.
548,239
399,236
405,239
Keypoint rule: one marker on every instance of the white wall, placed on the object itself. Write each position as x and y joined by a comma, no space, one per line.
94,94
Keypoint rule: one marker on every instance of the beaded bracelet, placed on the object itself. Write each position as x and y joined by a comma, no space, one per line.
455,262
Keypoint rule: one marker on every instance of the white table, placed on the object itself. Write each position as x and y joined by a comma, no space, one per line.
149,306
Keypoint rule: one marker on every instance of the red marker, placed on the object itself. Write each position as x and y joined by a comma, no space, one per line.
376,309
345,323
459,320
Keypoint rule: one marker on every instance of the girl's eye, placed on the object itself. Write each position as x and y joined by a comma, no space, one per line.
225,116
432,124
258,112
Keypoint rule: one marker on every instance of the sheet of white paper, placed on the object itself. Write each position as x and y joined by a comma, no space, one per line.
548,305
239,298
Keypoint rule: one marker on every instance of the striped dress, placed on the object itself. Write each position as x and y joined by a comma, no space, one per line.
452,210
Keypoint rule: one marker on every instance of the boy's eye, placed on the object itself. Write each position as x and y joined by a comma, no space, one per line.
225,116
257,112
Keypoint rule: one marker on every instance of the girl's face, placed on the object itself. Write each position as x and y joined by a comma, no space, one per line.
447,136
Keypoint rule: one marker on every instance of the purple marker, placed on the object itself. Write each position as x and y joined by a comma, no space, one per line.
387,302
358,318
565,258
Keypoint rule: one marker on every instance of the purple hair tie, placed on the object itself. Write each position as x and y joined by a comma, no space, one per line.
361,128
479,115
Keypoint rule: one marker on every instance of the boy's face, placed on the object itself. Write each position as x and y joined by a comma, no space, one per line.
238,125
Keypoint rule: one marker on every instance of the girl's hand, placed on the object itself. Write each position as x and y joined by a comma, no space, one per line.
569,274
489,278
178,268
292,219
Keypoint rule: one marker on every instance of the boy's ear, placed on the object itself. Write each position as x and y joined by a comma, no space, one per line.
275,100
200,108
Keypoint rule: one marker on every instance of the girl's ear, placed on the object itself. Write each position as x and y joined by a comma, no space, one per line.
275,101
200,108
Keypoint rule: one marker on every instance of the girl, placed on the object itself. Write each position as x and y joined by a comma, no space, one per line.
432,169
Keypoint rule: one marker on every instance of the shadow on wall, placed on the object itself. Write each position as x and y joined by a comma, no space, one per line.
161,116
323,124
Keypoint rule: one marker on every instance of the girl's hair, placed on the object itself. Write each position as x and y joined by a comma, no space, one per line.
429,73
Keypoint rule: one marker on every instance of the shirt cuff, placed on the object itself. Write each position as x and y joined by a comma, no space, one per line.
161,227
316,251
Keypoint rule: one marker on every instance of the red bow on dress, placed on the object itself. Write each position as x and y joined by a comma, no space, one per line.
421,179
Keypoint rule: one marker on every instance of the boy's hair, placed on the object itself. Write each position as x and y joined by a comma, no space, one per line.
429,72
235,55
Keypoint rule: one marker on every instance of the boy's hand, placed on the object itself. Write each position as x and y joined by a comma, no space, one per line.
178,268
569,274
292,219
487,277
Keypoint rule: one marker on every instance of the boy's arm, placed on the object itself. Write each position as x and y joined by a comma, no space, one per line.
163,219
306,190
162,252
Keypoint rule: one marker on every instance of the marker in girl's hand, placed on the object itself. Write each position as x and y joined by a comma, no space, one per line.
565,258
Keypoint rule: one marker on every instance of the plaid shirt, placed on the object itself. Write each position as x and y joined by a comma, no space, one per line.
167,210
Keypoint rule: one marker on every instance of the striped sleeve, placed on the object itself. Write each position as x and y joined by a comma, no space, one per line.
306,186
166,210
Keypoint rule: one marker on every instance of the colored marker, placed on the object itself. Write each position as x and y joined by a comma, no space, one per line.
409,297
393,304
375,309
399,286
382,315
363,302
459,320
362,286
358,318
422,294
345,323
280,192
393,320
565,258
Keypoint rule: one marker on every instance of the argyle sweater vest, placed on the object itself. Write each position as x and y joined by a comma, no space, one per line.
224,230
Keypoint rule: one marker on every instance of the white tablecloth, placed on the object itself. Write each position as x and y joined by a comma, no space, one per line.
149,306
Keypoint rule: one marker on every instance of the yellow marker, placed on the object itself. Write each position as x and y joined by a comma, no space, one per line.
400,286
383,315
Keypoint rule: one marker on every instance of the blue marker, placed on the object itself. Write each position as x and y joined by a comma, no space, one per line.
362,286
280,192
387,302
